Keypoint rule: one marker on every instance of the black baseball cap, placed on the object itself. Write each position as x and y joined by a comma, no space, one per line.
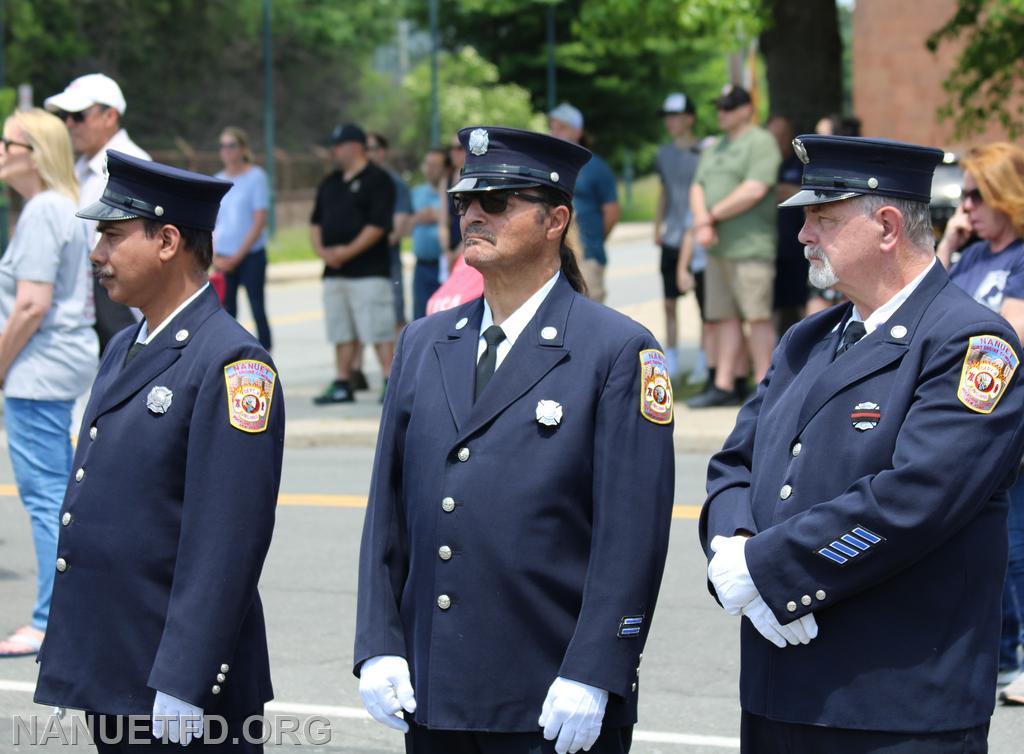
347,132
732,96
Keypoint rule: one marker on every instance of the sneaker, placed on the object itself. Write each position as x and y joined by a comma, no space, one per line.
1007,675
713,398
1014,693
336,392
357,381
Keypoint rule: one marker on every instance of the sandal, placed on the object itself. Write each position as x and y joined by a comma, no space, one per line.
25,640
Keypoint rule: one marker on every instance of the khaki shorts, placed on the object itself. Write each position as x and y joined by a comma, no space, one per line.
359,309
738,289
593,276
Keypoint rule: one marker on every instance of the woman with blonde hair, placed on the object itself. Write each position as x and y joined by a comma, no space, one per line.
992,270
240,238
48,348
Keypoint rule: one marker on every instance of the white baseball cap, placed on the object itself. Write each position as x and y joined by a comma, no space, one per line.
568,115
86,91
677,102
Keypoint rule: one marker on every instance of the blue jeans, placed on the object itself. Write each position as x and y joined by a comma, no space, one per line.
424,283
1013,588
252,273
39,441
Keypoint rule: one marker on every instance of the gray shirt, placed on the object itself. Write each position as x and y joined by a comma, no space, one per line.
51,245
676,168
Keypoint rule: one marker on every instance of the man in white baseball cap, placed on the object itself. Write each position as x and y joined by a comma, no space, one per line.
91,107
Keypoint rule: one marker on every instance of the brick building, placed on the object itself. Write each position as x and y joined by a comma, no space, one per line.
897,81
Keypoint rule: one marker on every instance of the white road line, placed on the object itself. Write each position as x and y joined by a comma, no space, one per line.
357,713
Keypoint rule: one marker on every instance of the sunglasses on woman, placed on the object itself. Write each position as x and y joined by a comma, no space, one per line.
974,195
8,143
491,202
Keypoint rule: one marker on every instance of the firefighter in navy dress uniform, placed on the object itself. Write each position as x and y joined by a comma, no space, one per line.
522,489
170,507
857,513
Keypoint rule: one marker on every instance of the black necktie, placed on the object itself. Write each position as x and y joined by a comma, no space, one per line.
854,332
493,335
133,352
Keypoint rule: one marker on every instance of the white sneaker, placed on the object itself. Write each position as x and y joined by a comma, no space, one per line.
1014,693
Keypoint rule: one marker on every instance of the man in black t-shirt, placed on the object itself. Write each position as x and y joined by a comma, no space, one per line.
349,231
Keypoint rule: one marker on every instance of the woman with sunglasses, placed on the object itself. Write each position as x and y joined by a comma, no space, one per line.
240,238
48,348
992,270
992,208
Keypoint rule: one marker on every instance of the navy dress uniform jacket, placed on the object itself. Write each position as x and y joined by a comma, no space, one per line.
893,535
556,533
166,522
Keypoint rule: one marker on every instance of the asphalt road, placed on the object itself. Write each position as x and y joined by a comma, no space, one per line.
689,701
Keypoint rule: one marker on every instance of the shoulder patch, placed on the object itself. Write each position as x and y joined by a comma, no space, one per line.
988,367
250,385
655,387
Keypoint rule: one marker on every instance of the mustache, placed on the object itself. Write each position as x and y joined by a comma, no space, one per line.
814,252
100,272
479,231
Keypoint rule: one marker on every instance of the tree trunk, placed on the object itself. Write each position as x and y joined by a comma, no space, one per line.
803,61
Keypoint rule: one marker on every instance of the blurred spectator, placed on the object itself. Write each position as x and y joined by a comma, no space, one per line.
791,266
92,107
595,201
426,244
734,216
463,284
991,270
819,299
240,237
676,163
349,229
401,225
48,349
449,230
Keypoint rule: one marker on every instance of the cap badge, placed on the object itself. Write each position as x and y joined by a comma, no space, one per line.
159,399
549,413
865,416
801,151
479,141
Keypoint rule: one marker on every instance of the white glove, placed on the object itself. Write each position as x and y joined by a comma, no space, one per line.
386,689
728,572
181,721
798,632
573,711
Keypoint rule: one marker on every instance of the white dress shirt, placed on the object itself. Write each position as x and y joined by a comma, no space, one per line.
145,336
516,322
882,314
89,170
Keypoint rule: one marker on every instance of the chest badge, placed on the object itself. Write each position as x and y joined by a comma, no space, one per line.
865,416
159,399
655,387
988,368
250,387
549,413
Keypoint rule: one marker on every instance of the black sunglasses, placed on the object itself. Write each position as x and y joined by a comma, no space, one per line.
974,195
81,115
8,143
491,202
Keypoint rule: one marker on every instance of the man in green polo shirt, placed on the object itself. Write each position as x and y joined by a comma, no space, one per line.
734,216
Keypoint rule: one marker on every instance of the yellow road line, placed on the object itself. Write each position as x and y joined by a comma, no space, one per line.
359,501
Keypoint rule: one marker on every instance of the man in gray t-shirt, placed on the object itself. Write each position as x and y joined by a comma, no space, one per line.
676,163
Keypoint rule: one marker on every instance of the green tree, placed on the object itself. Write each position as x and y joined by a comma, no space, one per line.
988,80
189,67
